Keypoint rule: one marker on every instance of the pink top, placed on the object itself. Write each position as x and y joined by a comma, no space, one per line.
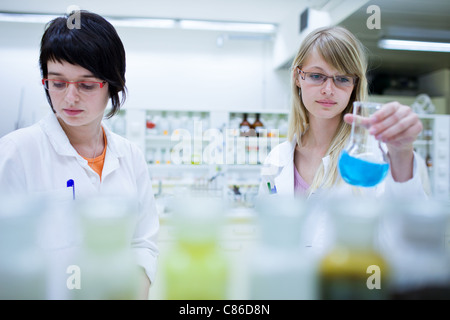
300,185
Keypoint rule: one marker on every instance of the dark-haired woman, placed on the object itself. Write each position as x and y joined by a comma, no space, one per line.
82,70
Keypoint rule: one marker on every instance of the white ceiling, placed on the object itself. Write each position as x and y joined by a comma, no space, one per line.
414,15
414,19
224,10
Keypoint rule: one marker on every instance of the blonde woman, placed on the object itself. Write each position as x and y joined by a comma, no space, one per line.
328,75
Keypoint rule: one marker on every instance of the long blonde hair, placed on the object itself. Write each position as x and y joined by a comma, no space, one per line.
343,51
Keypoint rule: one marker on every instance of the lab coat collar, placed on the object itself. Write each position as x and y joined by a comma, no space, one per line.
284,160
281,167
57,137
286,156
60,142
113,154
116,151
282,155
284,182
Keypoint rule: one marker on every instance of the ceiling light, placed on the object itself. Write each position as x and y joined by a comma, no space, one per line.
26,17
142,23
266,28
227,26
119,22
410,45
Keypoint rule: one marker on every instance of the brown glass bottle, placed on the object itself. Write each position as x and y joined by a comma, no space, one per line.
245,126
258,126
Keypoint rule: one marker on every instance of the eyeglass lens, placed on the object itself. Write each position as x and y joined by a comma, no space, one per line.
318,78
82,86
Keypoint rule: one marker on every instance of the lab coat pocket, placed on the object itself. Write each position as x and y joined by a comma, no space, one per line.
60,195
59,226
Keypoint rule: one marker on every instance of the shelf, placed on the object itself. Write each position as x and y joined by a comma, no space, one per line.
158,138
244,183
201,167
178,167
168,138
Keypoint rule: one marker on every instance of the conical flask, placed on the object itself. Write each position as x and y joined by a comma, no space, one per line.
363,162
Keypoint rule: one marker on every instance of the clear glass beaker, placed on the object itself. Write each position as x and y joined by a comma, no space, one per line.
107,266
363,162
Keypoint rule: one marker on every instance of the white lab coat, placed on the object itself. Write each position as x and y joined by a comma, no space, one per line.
278,170
40,160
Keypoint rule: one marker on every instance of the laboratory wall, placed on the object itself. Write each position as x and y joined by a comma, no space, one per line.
182,69
21,94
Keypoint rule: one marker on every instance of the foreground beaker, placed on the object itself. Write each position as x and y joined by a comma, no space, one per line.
354,268
195,268
280,266
363,162
105,267
23,274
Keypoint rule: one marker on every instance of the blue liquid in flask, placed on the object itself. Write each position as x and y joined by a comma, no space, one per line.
359,172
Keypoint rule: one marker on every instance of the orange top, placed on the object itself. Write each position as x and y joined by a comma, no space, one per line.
97,163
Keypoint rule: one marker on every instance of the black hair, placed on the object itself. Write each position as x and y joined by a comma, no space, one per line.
92,44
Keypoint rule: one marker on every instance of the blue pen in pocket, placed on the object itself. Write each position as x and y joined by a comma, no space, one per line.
71,184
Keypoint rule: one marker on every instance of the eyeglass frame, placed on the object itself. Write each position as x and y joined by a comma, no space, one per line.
355,78
101,83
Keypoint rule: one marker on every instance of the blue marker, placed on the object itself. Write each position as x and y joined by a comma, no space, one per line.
71,183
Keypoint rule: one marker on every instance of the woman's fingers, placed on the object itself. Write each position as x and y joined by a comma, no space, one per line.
358,120
393,124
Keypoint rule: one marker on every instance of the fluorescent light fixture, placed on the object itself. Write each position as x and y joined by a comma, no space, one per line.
227,26
25,17
143,23
119,22
266,28
414,45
